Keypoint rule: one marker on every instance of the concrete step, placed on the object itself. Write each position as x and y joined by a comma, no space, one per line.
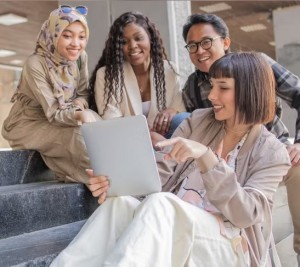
31,207
23,166
37,249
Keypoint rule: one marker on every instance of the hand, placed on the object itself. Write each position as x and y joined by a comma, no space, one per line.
294,153
182,149
156,137
78,103
98,185
85,116
163,120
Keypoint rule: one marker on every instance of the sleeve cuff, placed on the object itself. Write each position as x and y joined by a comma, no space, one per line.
207,161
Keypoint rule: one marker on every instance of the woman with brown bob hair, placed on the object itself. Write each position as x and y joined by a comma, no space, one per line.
221,167
254,103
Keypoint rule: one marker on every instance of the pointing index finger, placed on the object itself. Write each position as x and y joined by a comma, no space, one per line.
167,142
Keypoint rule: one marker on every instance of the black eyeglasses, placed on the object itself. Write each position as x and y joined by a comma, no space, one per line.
205,44
83,10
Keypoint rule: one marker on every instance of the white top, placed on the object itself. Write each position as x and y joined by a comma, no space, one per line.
146,107
131,103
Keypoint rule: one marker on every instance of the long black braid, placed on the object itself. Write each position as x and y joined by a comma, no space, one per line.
112,58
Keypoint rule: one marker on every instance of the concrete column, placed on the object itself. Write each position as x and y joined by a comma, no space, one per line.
178,11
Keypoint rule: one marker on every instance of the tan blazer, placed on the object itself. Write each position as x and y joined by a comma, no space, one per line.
242,195
132,102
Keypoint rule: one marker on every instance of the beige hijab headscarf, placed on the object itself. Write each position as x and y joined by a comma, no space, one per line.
64,74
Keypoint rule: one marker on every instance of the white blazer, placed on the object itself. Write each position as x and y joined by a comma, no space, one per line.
132,101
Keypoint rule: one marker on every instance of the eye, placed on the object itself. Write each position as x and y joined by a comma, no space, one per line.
139,38
82,37
66,36
205,42
123,42
192,46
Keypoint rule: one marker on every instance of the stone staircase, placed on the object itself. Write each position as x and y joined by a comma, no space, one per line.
38,216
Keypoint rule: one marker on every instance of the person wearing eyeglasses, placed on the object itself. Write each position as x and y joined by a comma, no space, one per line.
51,100
134,76
207,39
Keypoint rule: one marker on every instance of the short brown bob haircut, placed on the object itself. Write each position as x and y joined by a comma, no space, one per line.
254,85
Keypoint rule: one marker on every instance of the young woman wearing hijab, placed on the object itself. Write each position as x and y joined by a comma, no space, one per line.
134,76
50,103
222,166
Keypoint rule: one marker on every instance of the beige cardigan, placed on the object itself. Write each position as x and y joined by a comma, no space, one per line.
132,102
239,195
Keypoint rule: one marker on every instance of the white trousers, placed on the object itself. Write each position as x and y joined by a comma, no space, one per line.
161,231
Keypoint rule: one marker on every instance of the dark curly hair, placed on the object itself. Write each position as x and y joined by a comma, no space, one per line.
112,58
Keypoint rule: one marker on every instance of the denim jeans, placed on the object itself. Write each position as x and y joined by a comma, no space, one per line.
177,119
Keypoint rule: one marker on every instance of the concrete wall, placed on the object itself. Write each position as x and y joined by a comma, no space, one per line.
8,83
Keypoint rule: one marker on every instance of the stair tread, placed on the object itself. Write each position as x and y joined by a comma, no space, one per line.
36,245
31,207
36,186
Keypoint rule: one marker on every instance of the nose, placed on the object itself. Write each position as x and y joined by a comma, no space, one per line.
212,96
75,42
132,44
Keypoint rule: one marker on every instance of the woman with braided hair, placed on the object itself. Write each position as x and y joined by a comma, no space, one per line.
134,76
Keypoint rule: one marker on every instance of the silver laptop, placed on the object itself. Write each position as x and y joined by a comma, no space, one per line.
121,149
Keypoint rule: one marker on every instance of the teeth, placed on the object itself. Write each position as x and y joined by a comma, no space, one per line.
203,59
134,54
218,107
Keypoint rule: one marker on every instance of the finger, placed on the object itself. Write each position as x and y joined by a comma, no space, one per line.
159,125
165,123
174,151
97,179
292,154
101,190
163,119
168,142
296,164
90,172
180,154
102,198
95,187
155,122
295,159
168,125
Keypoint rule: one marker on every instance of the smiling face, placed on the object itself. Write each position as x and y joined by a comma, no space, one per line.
203,59
136,47
72,41
222,97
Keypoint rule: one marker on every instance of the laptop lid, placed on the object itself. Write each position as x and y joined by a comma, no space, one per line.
121,149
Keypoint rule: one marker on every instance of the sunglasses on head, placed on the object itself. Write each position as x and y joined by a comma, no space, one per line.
83,10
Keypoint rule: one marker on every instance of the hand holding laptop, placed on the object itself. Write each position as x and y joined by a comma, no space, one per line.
121,150
98,185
